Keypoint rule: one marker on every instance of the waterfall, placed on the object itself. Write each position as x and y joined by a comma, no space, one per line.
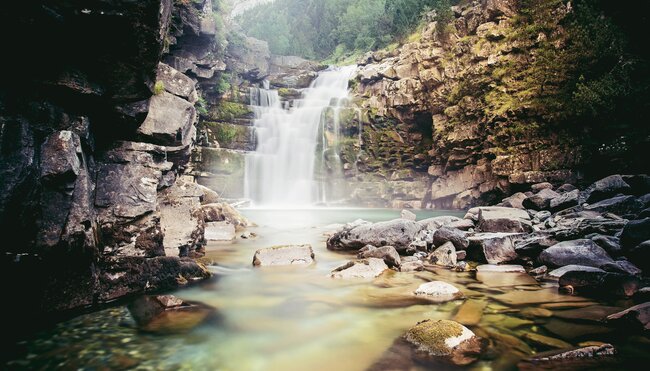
280,173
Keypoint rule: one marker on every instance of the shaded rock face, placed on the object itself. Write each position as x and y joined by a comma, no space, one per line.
578,252
88,154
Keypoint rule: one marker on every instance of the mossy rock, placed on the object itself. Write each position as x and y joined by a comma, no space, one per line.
226,111
444,339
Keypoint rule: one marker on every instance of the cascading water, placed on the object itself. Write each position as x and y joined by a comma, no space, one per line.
280,173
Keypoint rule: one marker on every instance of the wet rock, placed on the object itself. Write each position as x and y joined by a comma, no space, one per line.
438,291
637,317
593,313
444,339
543,296
635,232
580,358
444,255
605,188
493,248
219,231
565,201
500,268
533,244
540,200
557,273
545,342
503,219
398,233
437,222
539,186
600,283
364,268
455,236
284,255
515,201
579,252
539,271
169,121
470,312
408,215
387,253
167,314
619,205
623,266
610,244
412,266
219,212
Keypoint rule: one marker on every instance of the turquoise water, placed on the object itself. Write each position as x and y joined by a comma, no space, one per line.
298,318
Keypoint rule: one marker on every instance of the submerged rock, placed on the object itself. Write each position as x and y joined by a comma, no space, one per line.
398,233
545,341
637,316
364,268
387,253
439,291
284,255
500,268
168,314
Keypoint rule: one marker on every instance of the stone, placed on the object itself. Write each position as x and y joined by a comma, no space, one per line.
219,231
176,82
541,216
408,215
579,252
398,233
634,233
364,268
539,186
184,230
619,205
470,312
515,201
446,340
565,201
539,271
444,255
545,342
594,313
637,317
60,157
168,315
126,190
543,296
437,222
640,255
504,220
623,266
284,255
169,121
461,255
438,291
574,359
533,244
564,188
484,268
609,243
463,225
541,200
219,212
605,188
455,236
413,266
493,248
557,273
600,283
387,253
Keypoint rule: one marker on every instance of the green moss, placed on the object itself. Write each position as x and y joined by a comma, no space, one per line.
159,88
431,335
225,111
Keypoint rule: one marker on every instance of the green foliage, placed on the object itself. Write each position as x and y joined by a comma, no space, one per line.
225,111
201,106
336,29
223,84
159,87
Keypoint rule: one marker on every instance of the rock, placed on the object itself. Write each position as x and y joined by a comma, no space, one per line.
444,255
176,83
557,273
592,313
536,312
640,255
544,296
605,188
461,255
500,268
463,225
167,314
60,157
398,233
533,244
413,266
564,188
580,358
456,237
437,222
545,341
609,243
387,253
219,231
365,268
540,200
539,186
565,201
579,252
169,121
541,216
184,230
600,283
438,291
493,248
539,271
622,266
446,340
515,201
579,224
470,312
619,205
219,212
634,233
284,255
408,215
637,317
503,219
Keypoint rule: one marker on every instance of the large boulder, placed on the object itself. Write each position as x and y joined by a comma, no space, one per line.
619,205
541,200
175,82
503,219
398,233
494,248
455,236
284,255
169,121
444,255
387,253
579,252
635,232
637,317
565,201
515,201
363,268
605,188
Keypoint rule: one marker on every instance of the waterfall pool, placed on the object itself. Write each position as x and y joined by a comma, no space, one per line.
298,318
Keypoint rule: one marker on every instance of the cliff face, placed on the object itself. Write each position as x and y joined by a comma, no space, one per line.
464,144
96,134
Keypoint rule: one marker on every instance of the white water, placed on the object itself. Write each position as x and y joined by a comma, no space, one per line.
280,173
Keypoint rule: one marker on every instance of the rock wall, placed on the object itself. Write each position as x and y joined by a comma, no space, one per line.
424,116
95,137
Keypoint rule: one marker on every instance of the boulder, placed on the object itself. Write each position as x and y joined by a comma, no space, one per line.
398,233
219,212
640,255
437,222
412,266
564,188
503,219
444,255
493,248
515,201
167,314
619,205
605,188
634,233
60,157
557,273
455,236
622,266
609,243
184,230
637,317
387,253
408,215
565,201
364,268
541,200
539,186
219,231
169,121
579,252
176,83
284,255
445,340
439,291
533,244
603,284
463,225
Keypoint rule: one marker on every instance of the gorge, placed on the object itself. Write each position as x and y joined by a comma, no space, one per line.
324,184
